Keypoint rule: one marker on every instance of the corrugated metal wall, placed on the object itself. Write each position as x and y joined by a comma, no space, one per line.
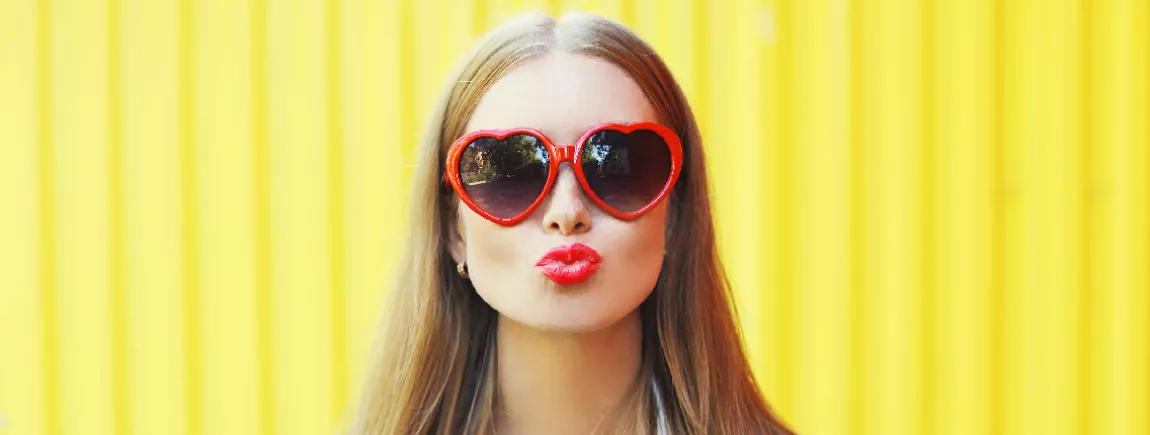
936,213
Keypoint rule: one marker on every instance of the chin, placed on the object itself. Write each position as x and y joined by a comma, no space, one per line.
583,308
578,326
572,318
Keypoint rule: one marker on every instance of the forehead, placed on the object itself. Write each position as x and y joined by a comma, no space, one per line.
563,95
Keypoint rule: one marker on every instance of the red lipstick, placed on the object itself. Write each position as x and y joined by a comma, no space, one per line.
569,264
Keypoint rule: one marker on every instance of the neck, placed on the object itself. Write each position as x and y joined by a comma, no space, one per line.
570,381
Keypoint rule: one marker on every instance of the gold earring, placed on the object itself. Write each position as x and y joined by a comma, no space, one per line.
462,269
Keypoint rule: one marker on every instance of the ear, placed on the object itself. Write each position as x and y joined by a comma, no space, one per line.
456,242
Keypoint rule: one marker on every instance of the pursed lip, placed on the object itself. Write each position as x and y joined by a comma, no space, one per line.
569,264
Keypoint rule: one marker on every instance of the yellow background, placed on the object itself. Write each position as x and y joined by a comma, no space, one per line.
936,214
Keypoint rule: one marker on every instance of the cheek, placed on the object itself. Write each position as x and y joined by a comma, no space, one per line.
486,241
497,256
639,246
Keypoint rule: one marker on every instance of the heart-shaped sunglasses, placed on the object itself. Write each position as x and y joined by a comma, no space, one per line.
503,175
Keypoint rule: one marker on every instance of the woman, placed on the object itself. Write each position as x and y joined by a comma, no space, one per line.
561,275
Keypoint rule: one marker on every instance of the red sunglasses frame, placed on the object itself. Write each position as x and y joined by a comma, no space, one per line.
570,154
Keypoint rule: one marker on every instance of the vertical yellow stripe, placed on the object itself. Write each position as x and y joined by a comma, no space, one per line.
459,33
856,392
229,324
376,201
334,90
785,156
1134,265
924,286
733,59
117,293
960,315
768,357
266,366
888,189
409,111
47,214
370,126
996,203
821,181
1110,135
1056,218
425,68
1089,205
740,50
155,356
299,233
698,61
648,25
1096,150
479,20
82,217
1023,303
22,395
627,12
190,228
612,9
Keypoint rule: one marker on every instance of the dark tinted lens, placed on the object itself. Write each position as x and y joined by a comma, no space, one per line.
626,171
504,176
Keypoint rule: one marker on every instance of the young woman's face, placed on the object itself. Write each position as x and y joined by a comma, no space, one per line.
563,95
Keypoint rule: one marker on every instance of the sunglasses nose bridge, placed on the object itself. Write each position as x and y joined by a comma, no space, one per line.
565,153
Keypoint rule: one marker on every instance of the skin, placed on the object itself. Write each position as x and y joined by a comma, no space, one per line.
567,355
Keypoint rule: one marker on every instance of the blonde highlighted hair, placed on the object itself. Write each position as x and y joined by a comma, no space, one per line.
434,370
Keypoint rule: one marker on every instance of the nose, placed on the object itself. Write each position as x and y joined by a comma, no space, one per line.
565,211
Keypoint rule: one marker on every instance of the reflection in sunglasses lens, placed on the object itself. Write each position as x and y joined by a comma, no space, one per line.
626,171
503,177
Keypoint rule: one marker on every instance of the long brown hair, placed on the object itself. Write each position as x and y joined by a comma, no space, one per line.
435,371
